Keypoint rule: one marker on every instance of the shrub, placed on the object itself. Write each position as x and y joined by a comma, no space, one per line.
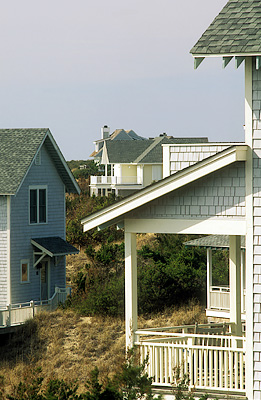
131,382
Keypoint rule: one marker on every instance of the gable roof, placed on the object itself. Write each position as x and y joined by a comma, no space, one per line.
235,31
143,152
116,212
18,150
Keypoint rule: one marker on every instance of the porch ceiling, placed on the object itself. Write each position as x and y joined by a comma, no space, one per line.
119,211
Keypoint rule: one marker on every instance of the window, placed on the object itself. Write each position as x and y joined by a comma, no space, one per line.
38,205
24,271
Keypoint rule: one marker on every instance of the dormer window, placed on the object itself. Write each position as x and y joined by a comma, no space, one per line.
38,204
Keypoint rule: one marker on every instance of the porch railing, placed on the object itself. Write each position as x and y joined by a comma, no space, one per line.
16,314
211,361
220,298
116,180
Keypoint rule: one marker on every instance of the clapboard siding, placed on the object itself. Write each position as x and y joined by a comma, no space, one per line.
220,195
22,232
3,251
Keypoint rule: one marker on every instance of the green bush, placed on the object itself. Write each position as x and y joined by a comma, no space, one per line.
169,273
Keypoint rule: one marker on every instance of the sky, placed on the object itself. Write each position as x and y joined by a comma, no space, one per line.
75,66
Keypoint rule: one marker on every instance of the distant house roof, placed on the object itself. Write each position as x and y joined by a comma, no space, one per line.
121,151
143,151
236,30
213,241
18,150
121,134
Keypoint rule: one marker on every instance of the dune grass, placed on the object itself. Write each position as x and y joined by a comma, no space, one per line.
67,346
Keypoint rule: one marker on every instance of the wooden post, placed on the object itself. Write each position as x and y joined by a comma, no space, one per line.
131,309
209,275
235,283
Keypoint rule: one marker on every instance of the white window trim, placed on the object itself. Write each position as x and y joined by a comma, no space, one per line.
25,261
38,187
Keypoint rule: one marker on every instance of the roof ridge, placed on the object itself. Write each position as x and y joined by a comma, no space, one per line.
156,141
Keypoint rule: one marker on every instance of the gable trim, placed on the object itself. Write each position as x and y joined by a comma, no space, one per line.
171,183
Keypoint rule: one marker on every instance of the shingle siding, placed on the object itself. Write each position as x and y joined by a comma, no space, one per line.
22,232
184,156
3,251
256,94
213,196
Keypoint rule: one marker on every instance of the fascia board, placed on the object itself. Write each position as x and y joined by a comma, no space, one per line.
181,178
225,55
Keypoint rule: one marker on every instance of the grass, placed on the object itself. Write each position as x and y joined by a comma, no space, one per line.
67,346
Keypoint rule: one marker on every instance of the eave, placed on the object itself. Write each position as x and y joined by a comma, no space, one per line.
226,58
116,212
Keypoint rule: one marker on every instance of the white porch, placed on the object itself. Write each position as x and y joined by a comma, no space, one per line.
211,357
17,314
188,203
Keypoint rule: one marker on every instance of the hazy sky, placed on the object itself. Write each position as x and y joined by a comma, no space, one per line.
74,66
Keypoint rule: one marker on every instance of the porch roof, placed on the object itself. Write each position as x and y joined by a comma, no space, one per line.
116,212
213,241
54,246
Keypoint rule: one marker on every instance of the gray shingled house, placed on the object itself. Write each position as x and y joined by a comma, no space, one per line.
33,181
216,195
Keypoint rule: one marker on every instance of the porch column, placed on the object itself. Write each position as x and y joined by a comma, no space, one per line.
131,309
209,275
235,283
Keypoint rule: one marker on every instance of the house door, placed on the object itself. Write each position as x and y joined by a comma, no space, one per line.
45,281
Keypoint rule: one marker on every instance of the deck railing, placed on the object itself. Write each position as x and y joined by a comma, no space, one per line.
211,361
16,314
116,180
220,298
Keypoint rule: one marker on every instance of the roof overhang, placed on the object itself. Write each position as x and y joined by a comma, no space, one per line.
54,246
226,58
117,212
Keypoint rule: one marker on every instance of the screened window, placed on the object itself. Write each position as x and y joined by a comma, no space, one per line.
38,205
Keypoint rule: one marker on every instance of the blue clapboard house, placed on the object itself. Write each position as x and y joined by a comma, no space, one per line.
33,181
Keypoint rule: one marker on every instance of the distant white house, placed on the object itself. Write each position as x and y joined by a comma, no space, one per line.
216,195
130,161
